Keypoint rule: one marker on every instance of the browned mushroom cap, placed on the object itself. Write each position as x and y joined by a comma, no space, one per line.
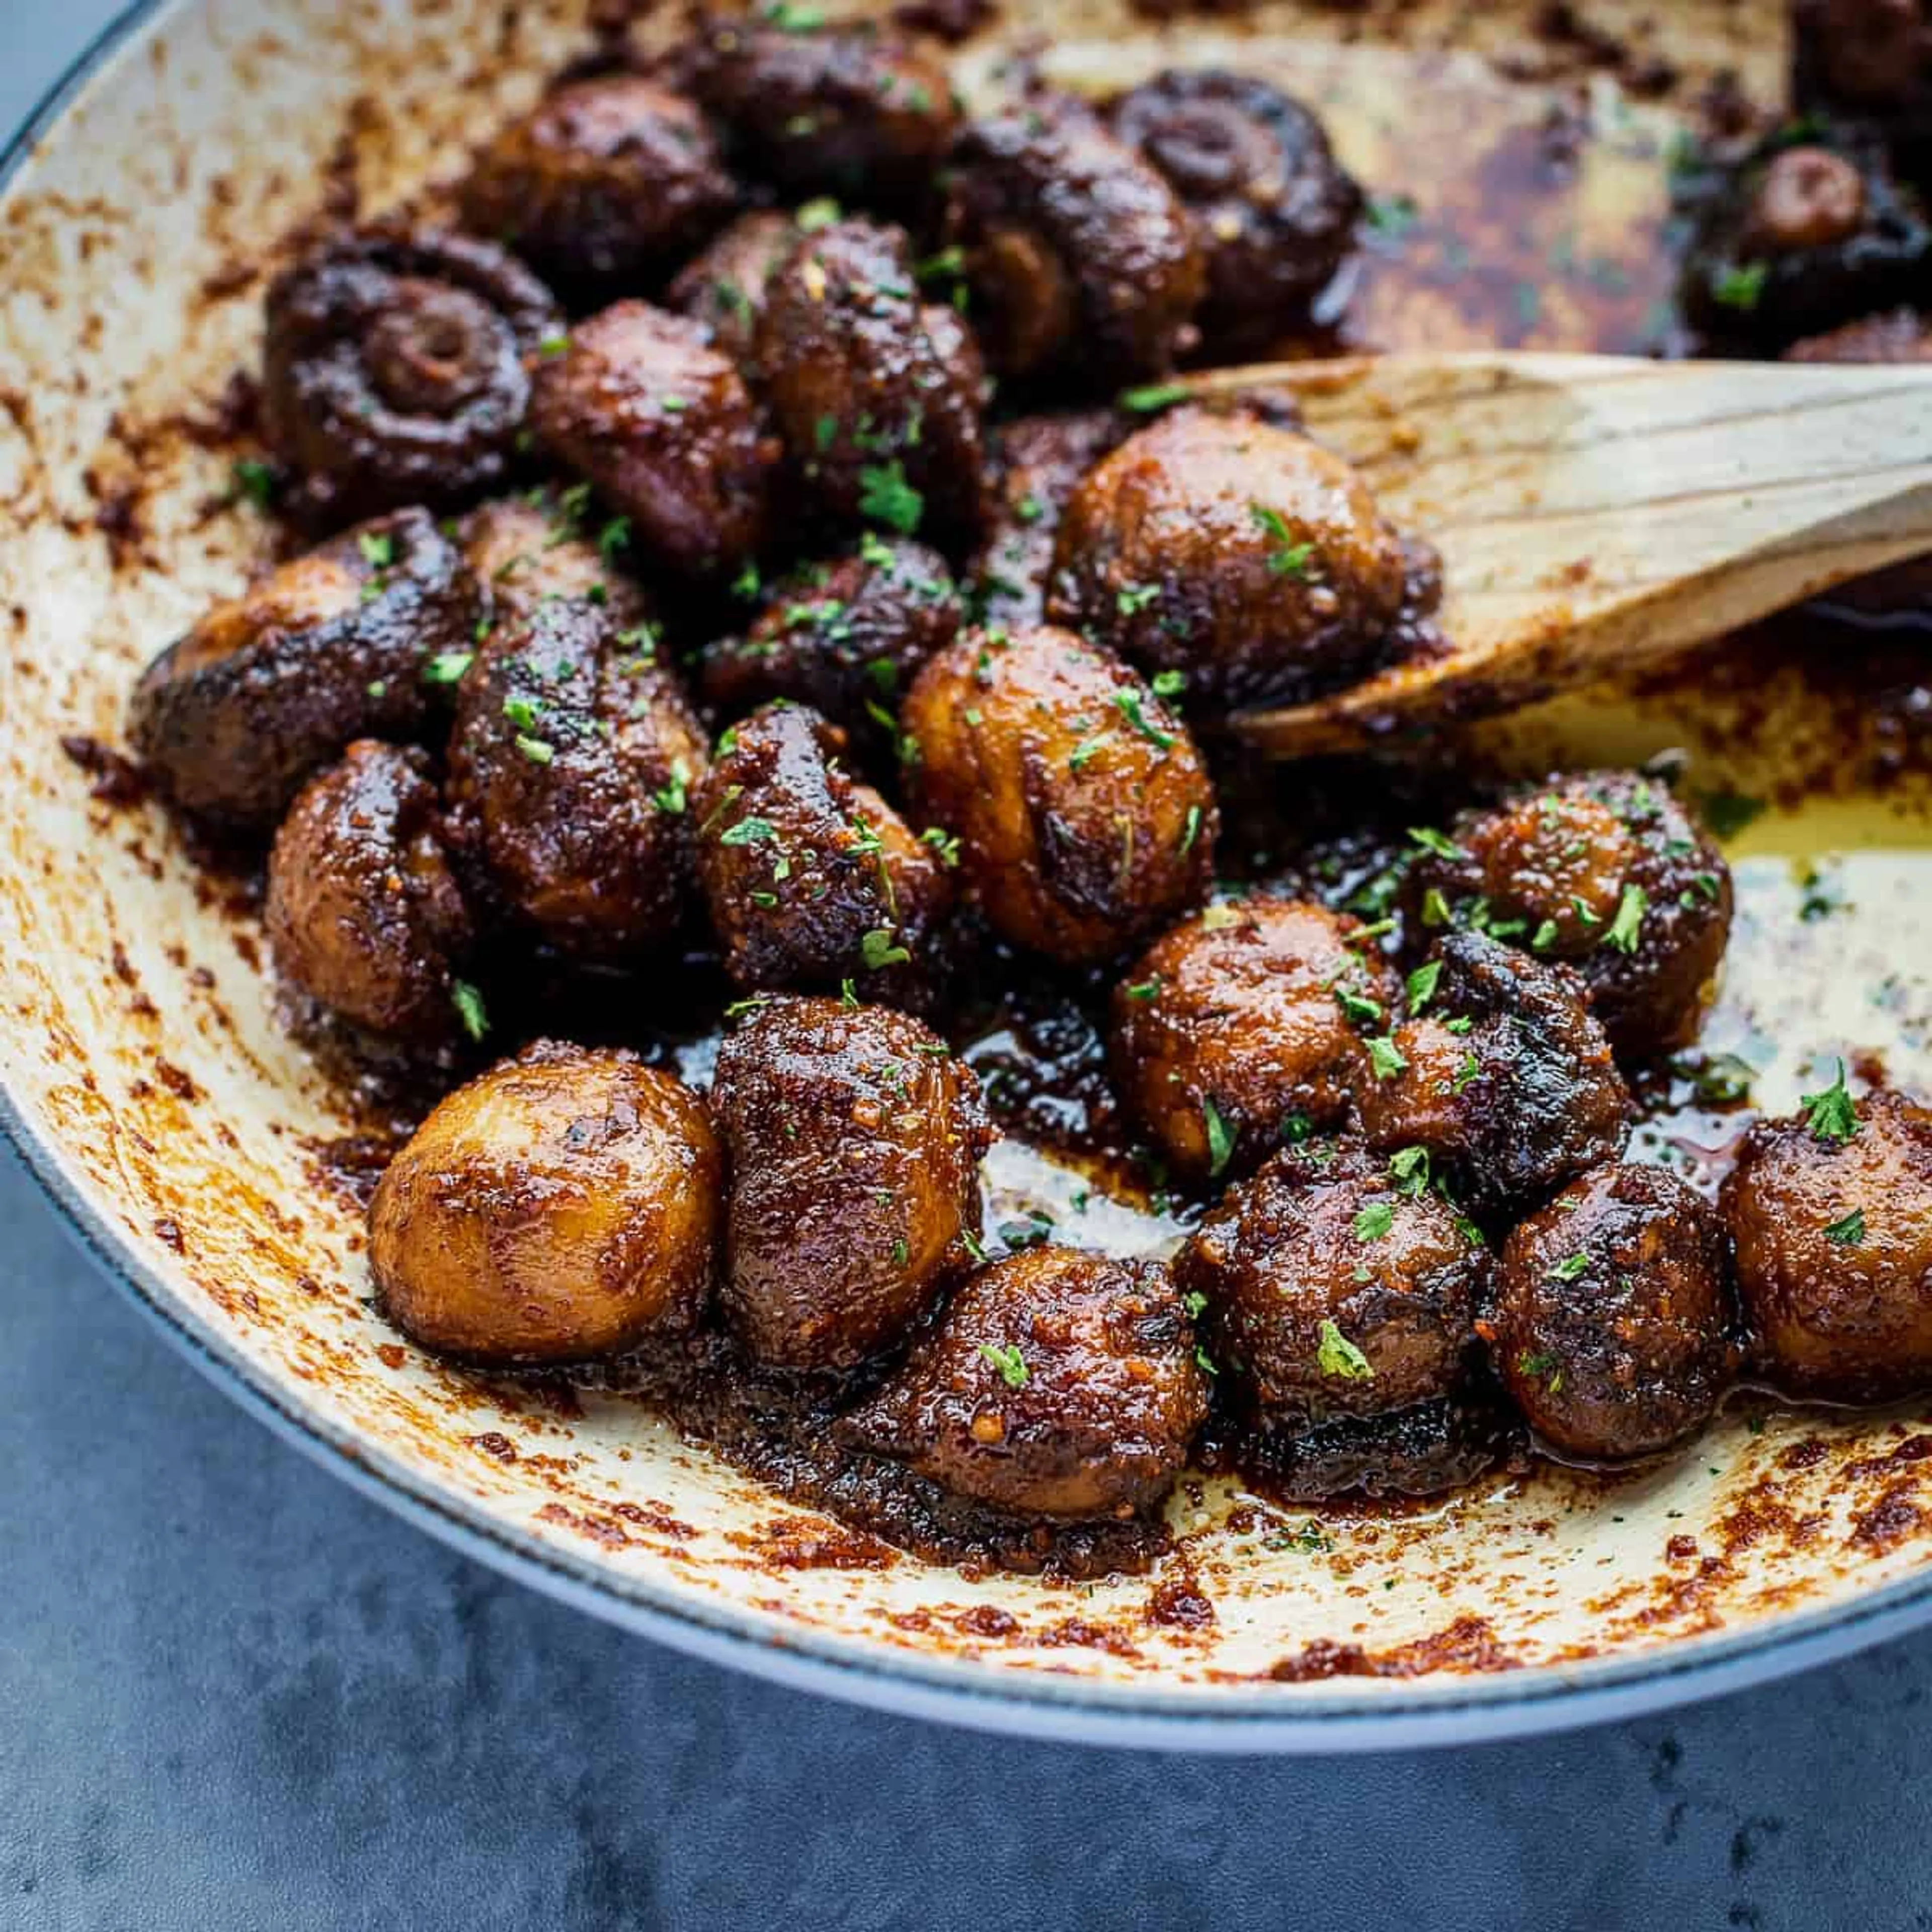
855,1140
1085,815
1078,254
562,1206
609,177
1244,555
1331,1286
844,637
571,766
1059,1384
394,369
362,911
813,880
878,395
639,402
273,684
723,286
866,115
1831,1212
1874,54
1615,1328
1605,870
1506,1079
1274,211
1247,1026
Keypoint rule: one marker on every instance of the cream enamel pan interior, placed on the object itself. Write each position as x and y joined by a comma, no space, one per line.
149,1086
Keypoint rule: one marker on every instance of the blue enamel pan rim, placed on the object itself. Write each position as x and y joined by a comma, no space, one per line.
1306,1719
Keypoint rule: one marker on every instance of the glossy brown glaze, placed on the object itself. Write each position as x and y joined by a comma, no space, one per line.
1505,1078
1607,871
524,551
1242,555
868,116
1834,1236
723,286
637,400
854,1139
1274,212
1079,254
270,685
603,183
877,393
845,636
563,1205
1245,1026
395,369
1083,810
363,913
1331,1285
813,881
1058,1385
571,766
1614,1326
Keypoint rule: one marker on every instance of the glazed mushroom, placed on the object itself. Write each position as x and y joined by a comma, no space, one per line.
394,369
1802,237
1041,459
813,880
606,180
1274,212
1606,871
724,285
845,636
1333,1284
571,766
1242,554
855,1140
863,114
1078,254
344,643
527,551
637,400
363,913
877,394
1615,1327
1831,1213
1245,1026
1872,56
1502,1073
562,1207
1083,813
1059,1384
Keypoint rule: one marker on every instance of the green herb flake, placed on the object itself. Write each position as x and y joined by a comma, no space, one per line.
1385,1058
1625,929
1422,983
878,949
1849,1232
885,496
749,832
1570,1268
1010,1362
1131,598
1191,830
378,548
1832,1116
1132,706
1357,1009
1289,558
252,480
1144,990
1740,287
469,1004
1374,1221
1409,1170
677,795
448,667
1430,840
1220,1136
1155,396
1337,1356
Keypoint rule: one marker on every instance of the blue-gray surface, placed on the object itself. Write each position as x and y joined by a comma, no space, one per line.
234,1694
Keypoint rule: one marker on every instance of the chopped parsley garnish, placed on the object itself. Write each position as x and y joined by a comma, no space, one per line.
1430,840
1010,1362
1195,1304
378,548
885,495
675,795
469,1004
1545,1367
447,667
1625,928
1132,597
1422,983
538,751
554,345
1391,216
1740,288
1832,1115
1409,1170
1220,1136
1385,1058
1849,1232
943,842
747,583
1361,1012
1374,1221
1727,813
1289,558
1169,683
1544,937
1144,990
1435,908
1132,706
878,949
616,534
253,479
1719,1079
749,832
818,213
1569,1269
972,1245
1336,1355
739,1008
1154,396
1191,830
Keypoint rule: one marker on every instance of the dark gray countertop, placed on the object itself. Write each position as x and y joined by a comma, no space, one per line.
234,1694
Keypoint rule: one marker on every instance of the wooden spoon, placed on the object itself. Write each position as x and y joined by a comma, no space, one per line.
1599,514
